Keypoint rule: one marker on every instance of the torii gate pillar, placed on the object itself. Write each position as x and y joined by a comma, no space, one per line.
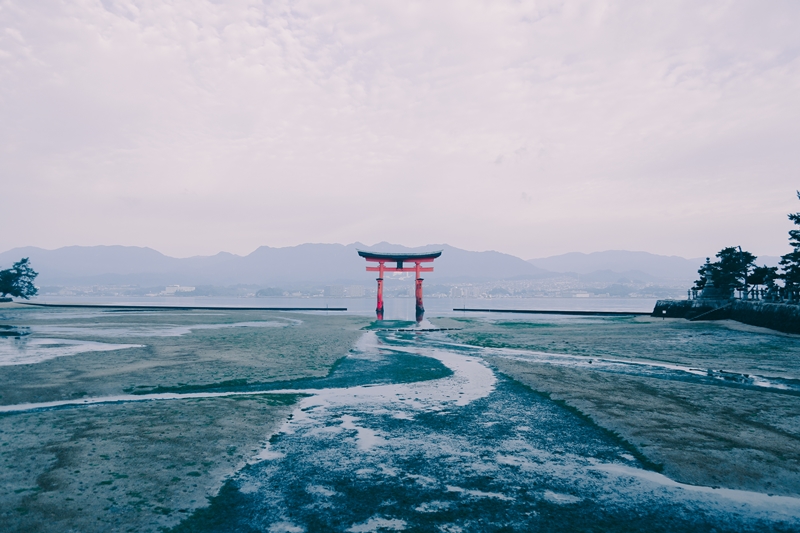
418,294
399,259
379,307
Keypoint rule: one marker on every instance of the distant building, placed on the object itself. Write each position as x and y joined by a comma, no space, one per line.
172,289
456,292
355,291
471,292
334,291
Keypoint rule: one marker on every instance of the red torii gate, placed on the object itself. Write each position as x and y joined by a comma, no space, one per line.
399,259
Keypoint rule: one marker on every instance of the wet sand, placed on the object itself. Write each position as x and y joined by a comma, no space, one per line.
144,466
178,349
127,467
154,464
698,433
464,450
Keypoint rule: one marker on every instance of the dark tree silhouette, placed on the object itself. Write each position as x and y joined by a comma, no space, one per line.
729,272
763,275
790,263
732,269
18,280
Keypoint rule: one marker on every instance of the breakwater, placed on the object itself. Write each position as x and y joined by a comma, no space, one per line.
551,312
777,316
167,307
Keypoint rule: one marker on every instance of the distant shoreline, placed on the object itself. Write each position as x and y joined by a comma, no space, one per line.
184,307
556,312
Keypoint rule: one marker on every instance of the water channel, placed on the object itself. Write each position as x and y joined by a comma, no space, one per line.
413,434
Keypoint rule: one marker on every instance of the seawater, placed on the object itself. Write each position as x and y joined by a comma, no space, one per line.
404,447
395,308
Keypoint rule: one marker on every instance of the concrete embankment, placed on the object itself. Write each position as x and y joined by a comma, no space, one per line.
777,316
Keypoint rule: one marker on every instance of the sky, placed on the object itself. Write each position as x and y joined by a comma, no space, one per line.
531,128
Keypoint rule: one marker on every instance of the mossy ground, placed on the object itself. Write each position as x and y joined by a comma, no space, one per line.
145,466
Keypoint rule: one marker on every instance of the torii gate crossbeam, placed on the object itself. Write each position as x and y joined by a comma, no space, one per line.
399,259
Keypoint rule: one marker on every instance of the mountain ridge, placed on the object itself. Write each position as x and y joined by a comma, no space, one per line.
336,263
658,266
304,263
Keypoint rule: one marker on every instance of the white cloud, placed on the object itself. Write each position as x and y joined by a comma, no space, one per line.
196,126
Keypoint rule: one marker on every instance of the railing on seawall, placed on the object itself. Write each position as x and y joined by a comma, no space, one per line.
780,295
779,316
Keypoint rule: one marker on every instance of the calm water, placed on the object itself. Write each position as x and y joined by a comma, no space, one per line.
395,308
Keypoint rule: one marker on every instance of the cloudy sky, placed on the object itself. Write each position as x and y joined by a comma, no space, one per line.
533,128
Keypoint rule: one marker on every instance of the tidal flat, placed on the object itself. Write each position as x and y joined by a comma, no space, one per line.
263,421
706,403
145,465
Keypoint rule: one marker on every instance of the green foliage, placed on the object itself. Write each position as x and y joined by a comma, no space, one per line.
732,269
18,280
790,263
729,272
499,291
269,291
763,275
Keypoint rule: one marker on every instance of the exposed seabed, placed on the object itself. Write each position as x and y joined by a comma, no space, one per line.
406,326
410,431
472,451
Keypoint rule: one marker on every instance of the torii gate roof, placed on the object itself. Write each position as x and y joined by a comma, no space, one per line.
401,257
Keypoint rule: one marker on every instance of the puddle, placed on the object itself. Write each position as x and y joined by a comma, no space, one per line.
27,350
149,330
652,370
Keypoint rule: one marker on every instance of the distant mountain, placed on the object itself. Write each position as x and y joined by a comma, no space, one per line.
334,263
306,263
656,266
768,260
602,266
610,276
456,264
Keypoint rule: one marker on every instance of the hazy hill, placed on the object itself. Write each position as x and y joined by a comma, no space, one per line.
634,265
456,264
306,263
611,276
333,263
657,266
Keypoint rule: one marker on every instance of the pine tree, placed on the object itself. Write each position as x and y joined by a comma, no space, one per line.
763,275
18,280
728,273
790,263
732,269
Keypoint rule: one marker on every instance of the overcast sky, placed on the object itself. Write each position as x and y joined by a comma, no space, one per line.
533,128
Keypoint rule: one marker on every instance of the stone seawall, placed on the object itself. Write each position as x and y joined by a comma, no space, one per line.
687,309
780,317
